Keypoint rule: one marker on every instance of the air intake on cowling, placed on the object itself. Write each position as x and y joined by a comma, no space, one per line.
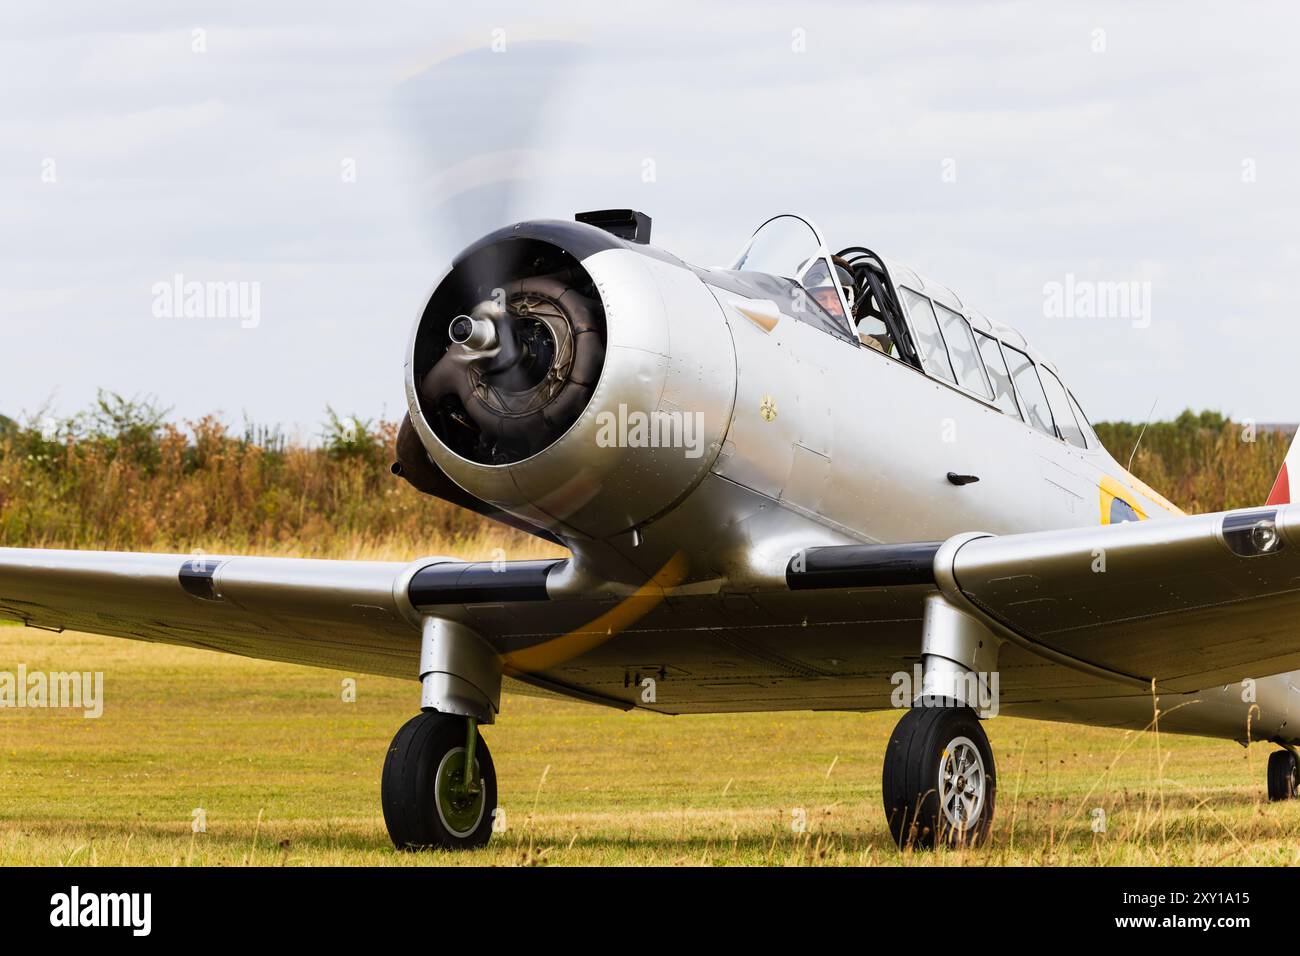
625,223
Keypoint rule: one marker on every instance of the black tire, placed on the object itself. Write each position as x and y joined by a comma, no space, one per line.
426,746
917,750
1283,775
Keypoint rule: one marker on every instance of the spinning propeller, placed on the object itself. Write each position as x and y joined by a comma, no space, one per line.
515,333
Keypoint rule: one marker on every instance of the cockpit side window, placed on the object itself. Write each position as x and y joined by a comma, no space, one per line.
961,350
929,340
1061,411
1004,395
1082,419
1037,411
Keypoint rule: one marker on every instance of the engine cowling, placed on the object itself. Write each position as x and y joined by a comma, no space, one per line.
578,381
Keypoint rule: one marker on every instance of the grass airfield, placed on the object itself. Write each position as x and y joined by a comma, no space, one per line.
286,772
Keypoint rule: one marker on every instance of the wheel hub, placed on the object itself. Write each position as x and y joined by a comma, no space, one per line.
460,808
961,784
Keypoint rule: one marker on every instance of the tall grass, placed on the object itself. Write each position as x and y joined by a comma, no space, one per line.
1202,462
122,476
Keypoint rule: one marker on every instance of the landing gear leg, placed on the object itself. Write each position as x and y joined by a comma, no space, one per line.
1283,774
439,787
940,781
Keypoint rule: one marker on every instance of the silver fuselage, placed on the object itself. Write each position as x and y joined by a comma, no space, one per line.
807,440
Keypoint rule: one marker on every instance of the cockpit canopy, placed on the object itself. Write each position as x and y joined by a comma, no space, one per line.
792,247
860,297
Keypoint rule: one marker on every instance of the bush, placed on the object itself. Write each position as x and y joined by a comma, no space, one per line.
120,477
1201,462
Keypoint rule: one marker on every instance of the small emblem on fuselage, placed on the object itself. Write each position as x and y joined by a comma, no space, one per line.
767,410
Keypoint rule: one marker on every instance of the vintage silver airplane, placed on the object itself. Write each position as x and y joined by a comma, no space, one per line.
789,484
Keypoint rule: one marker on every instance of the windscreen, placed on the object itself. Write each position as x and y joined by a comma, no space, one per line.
791,248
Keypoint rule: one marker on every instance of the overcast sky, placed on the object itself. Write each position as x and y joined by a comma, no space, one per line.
289,146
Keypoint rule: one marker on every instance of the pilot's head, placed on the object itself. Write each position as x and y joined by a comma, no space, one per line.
828,299
823,288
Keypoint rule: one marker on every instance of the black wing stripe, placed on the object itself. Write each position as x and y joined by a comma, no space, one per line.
483,582
862,566
197,578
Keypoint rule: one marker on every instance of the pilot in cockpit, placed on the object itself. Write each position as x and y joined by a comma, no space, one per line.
823,289
866,315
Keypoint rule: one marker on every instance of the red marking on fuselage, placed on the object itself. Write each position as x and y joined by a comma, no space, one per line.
1281,493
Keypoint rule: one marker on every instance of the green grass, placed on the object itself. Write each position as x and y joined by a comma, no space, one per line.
287,773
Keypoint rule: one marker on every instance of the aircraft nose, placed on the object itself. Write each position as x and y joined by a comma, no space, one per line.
595,395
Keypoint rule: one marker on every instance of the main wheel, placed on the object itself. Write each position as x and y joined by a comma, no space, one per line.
426,804
939,780
1283,775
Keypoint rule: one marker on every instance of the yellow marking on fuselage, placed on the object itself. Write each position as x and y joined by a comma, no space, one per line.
1112,490
1157,499
1128,491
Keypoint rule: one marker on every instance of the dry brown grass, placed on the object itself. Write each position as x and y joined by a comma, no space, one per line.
126,480
1201,462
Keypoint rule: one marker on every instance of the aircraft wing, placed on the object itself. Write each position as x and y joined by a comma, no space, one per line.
360,616
1190,602
344,614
